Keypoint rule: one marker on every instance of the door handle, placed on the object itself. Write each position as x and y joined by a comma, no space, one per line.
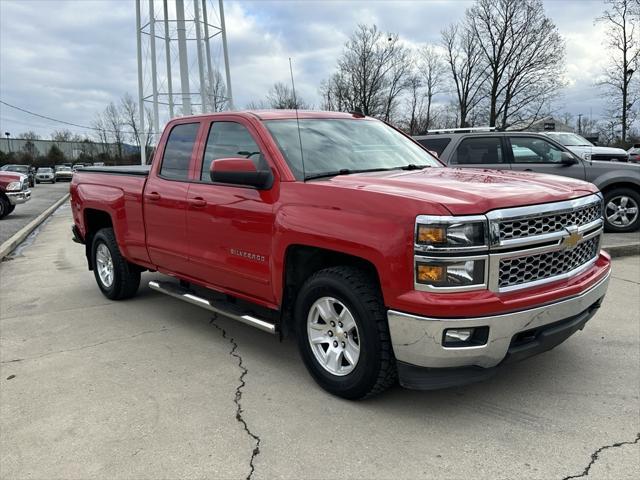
197,202
153,196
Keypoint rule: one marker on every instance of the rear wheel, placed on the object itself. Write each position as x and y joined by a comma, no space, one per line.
116,277
622,210
343,334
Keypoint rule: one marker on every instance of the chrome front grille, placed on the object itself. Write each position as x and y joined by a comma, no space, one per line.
549,223
543,243
533,268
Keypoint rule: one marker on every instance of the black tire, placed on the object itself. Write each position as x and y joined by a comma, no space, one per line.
375,370
38,182
126,276
5,206
613,195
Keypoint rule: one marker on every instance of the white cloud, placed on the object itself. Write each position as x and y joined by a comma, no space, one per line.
68,59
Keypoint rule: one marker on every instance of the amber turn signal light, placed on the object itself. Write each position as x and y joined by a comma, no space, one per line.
429,235
431,273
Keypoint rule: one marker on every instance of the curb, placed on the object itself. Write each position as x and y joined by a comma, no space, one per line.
17,238
625,250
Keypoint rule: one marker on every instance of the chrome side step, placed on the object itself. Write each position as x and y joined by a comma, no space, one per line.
173,290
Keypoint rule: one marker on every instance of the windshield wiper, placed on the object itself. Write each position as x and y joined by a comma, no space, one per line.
413,166
345,171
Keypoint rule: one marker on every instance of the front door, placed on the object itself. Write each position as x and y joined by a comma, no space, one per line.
535,154
165,201
229,226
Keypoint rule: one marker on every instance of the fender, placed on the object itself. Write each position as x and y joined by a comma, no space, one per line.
347,232
125,213
618,176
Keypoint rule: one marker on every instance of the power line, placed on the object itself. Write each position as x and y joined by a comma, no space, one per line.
65,122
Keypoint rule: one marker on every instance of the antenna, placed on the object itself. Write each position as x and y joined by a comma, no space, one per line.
295,104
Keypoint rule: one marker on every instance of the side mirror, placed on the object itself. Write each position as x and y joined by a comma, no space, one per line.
567,159
240,171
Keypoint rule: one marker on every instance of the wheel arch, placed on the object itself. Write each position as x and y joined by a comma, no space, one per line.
302,261
94,221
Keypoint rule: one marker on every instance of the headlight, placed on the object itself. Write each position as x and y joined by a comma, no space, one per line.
451,273
14,187
434,233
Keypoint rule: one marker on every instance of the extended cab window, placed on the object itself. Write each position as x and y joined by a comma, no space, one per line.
177,153
478,151
436,145
230,140
534,150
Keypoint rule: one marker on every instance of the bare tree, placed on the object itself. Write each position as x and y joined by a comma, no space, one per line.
281,96
29,135
414,124
464,57
114,121
432,68
216,91
63,135
622,19
523,52
336,94
130,116
396,81
370,73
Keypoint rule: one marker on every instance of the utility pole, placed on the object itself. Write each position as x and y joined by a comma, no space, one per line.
142,137
226,55
580,123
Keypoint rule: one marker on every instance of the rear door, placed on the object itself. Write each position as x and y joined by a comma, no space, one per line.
230,227
536,154
480,152
165,199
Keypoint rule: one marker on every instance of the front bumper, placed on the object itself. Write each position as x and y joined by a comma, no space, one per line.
18,197
418,340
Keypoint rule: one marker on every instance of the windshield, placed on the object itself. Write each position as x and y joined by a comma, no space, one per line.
333,146
571,140
44,170
64,169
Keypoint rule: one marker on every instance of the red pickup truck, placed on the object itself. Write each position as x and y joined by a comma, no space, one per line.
342,229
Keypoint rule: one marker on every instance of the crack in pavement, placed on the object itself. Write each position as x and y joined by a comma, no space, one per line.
596,454
83,347
625,280
238,396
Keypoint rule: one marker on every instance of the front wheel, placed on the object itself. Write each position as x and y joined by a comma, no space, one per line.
343,334
5,206
116,277
622,210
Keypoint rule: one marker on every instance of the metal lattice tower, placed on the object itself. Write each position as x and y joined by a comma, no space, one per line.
179,45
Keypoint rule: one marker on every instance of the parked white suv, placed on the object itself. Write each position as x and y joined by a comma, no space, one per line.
587,150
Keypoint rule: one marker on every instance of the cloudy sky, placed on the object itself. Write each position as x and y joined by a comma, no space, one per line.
68,59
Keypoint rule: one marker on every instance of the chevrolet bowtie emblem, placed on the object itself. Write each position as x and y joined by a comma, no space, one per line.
571,240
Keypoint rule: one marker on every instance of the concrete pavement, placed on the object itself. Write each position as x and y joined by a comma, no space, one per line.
151,388
43,195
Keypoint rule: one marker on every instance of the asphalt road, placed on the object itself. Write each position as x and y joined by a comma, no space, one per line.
150,388
43,195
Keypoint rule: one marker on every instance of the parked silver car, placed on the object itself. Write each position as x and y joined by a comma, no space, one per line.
45,174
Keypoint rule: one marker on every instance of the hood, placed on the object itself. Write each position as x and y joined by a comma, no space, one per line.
468,191
8,177
595,149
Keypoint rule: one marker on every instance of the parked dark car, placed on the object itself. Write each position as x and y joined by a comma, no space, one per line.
533,152
23,169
